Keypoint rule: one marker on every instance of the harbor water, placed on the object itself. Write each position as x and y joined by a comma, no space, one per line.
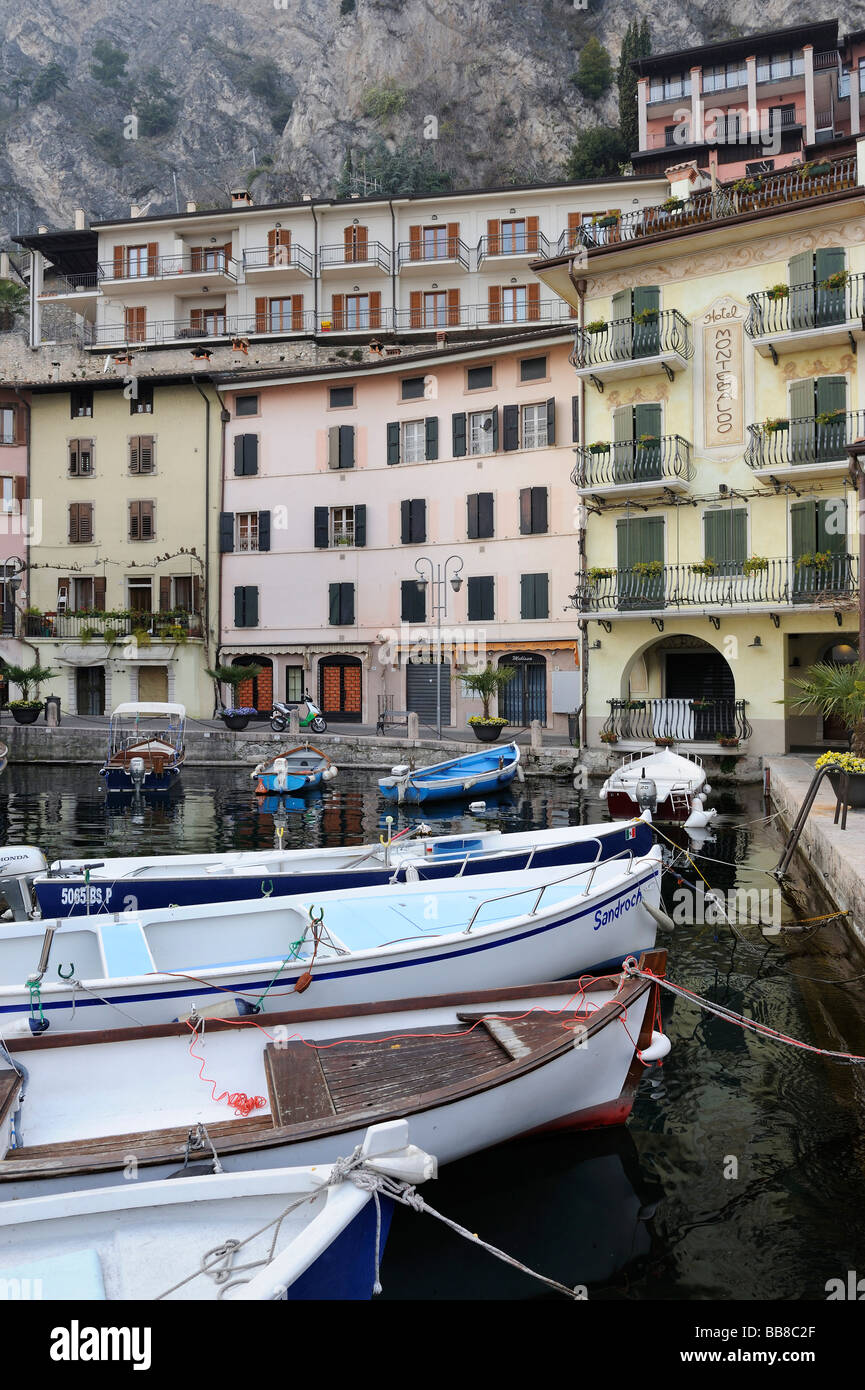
741,1173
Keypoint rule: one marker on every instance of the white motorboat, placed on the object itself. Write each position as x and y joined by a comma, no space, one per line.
657,780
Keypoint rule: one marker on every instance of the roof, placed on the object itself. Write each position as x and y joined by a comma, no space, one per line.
822,35
149,708
70,252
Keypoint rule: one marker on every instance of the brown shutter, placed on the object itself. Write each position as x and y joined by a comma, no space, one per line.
133,521
226,251
73,522
493,237
261,314
164,593
495,305
119,262
147,521
337,310
453,239
348,239
99,593
136,324
153,258
574,222
19,484
134,457
196,594
297,313
145,453
415,243
375,309
196,258
196,320
533,300
361,244
415,315
532,229
272,243
453,308
20,424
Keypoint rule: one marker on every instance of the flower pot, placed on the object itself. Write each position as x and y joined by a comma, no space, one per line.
855,787
486,733
26,714
235,721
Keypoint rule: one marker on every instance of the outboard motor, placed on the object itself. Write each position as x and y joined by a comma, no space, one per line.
280,767
19,865
646,792
137,772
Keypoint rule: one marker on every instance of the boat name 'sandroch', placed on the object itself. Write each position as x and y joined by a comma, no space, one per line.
623,905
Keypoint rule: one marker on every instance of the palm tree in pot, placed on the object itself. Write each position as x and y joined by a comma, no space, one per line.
28,678
232,676
486,683
828,688
13,300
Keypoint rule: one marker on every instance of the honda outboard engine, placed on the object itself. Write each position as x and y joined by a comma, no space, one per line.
19,865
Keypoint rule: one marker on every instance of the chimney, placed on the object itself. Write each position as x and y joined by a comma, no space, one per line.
4,265
42,230
80,220
307,197
135,210
191,207
241,198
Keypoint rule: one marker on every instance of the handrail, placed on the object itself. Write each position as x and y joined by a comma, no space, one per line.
585,869
799,824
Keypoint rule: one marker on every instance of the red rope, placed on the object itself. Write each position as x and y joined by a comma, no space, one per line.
241,1103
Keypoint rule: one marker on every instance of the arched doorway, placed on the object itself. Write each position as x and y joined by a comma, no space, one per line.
256,693
679,687
340,688
525,697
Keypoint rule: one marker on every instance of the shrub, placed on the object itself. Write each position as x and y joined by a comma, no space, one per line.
598,151
384,100
594,71
110,62
48,83
156,106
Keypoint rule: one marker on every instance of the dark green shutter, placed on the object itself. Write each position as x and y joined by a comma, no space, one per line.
251,605
481,599
431,426
495,419
459,435
800,273
347,604
646,338
801,428
418,520
264,530
623,444
575,419
485,515
393,442
510,427
360,524
539,510
525,511
803,528
226,532
621,326
831,399
333,605
405,521
238,455
346,446
534,596
831,304
551,420
321,527
832,525
472,519
725,538
647,457
238,607
412,602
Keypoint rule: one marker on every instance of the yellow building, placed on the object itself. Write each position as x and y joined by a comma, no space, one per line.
127,477
720,381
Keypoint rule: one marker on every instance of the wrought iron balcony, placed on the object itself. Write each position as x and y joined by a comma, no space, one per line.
662,459
655,333
801,308
686,721
652,586
92,626
798,442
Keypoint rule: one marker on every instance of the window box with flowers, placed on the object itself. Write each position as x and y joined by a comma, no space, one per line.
727,740
854,767
704,567
596,326
774,426
644,316
598,573
830,417
609,736
755,564
746,186
673,204
651,569
815,170
610,219
662,741
701,704
816,559
600,446
778,292
838,281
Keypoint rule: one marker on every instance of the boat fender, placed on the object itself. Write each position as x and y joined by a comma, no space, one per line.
303,982
659,1048
660,917
477,806
411,874
521,776
706,789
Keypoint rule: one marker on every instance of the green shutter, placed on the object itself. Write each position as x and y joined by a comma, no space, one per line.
333,604
832,525
646,335
431,427
801,430
831,400
347,604
623,448
831,304
800,272
622,330
393,442
803,528
725,538
459,435
647,457
360,524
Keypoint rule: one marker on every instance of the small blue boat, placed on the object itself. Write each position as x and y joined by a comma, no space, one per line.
145,747
474,774
294,772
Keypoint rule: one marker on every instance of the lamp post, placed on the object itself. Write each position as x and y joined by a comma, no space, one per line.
856,455
438,578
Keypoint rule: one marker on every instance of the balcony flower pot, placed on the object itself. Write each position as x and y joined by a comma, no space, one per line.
610,221
25,711
755,564
707,567
813,171
609,737
594,576
778,292
644,316
830,417
635,704
663,743
650,569
838,281
600,446
775,426
701,704
486,730
596,326
727,741
818,560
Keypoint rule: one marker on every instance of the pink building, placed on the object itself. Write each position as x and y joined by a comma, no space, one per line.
337,481
14,518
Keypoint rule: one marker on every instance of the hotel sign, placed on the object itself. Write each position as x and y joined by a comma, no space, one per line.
723,350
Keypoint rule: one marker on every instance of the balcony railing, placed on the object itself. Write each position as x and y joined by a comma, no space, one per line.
165,267
804,307
804,440
623,464
273,322
626,340
696,720
516,244
653,586
99,627
423,253
338,254
481,316
72,284
293,257
775,189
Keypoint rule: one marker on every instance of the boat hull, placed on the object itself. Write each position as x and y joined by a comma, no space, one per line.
291,784
420,794
118,779
475,775
622,806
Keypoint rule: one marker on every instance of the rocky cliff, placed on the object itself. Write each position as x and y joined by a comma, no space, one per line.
103,104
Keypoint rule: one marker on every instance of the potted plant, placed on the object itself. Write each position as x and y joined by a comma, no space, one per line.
854,766
635,704
597,573
830,417
755,564
775,426
778,292
704,567
816,559
28,678
727,740
608,736
486,683
609,219
232,676
746,185
596,326
813,171
827,689
650,568
600,446
646,316
672,203
838,281
701,703
648,441
663,741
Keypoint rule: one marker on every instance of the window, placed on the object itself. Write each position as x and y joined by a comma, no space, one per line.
140,595
482,432
212,322
141,453
342,526
341,396
513,236
340,446
533,368
534,422
413,521
724,75
247,531
533,511
83,595
246,405
7,424
435,243
514,303
534,596
80,523
413,444
435,309
246,605
725,531
294,684
413,388
81,402
339,526
357,311
182,591
142,521
80,458
481,599
478,378
412,602
479,516
7,495
245,455
136,261
135,320
341,605
669,87
779,65
141,400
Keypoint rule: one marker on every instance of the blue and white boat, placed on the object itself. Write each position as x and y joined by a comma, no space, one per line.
305,1233
76,886
473,774
145,747
401,940
294,772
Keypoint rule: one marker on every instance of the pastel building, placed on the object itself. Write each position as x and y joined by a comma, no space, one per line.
16,522
338,482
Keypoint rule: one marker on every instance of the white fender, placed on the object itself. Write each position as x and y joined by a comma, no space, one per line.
659,1047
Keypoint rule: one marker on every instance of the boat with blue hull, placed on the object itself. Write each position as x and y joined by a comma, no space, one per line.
294,772
474,774
146,747
74,887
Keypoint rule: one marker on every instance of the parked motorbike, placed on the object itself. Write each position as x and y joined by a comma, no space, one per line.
308,711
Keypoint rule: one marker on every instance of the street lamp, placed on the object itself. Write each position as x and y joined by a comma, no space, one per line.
438,578
856,455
